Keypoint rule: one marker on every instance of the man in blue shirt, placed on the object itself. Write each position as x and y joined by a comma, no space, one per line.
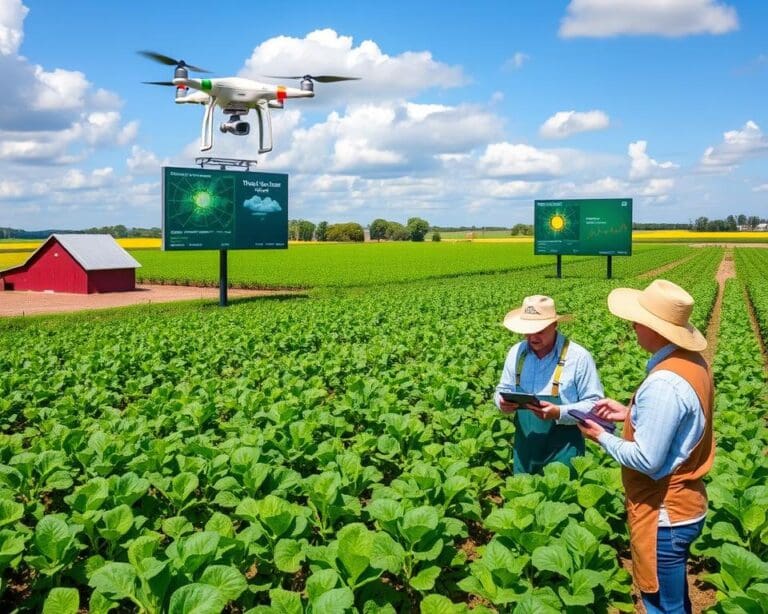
562,375
667,445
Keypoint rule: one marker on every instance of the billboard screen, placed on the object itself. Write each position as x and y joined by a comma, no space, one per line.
600,226
218,209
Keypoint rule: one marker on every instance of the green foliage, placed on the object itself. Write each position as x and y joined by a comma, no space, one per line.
342,453
349,231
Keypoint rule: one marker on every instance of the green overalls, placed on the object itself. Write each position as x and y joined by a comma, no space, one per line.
537,441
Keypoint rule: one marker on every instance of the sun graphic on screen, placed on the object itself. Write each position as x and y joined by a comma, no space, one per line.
557,222
202,199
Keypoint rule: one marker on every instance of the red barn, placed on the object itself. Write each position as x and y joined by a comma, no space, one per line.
81,264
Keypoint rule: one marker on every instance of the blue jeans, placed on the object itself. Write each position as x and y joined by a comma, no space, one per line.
672,546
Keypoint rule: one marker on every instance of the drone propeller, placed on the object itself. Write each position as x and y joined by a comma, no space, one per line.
168,61
159,82
318,78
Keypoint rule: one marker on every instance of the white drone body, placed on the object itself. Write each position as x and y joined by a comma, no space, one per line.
236,96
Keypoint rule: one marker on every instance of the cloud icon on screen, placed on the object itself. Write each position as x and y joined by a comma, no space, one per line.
261,206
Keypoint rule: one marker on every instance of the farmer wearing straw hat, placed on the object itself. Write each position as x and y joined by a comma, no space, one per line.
562,375
668,445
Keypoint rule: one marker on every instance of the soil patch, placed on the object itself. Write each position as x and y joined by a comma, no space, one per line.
36,303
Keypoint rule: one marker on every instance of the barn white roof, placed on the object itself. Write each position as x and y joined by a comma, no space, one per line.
96,252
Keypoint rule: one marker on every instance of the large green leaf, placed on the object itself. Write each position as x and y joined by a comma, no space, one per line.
62,601
114,580
228,580
197,599
553,558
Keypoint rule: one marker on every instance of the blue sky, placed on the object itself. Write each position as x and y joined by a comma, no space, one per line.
466,112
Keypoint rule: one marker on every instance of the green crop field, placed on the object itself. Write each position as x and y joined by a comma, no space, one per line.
341,453
321,265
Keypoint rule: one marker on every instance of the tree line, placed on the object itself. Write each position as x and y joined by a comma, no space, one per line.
119,232
414,230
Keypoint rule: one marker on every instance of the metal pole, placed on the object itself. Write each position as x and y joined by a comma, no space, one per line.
222,278
610,266
559,266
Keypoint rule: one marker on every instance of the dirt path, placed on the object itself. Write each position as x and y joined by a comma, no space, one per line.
654,273
36,303
726,271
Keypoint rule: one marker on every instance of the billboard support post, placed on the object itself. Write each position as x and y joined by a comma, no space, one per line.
222,278
610,267
559,266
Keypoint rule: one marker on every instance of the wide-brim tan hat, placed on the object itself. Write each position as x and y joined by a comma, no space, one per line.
663,307
538,312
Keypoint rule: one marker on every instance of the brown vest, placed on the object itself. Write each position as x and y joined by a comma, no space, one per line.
682,492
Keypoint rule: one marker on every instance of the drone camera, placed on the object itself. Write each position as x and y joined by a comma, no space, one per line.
238,128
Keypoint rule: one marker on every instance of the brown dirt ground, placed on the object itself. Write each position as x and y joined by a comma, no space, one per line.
36,303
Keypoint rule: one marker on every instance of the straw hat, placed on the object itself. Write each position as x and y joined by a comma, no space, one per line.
663,307
535,315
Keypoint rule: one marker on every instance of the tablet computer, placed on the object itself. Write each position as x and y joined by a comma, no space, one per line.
521,398
583,416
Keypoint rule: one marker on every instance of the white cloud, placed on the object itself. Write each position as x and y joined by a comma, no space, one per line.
75,179
60,89
144,162
325,52
672,18
761,188
516,61
518,160
642,165
386,138
12,14
737,146
566,123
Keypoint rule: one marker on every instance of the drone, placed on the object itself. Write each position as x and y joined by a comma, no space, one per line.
236,96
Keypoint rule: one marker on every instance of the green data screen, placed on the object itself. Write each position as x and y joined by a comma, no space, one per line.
601,226
216,209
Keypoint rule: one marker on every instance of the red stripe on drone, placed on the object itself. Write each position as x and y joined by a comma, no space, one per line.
281,95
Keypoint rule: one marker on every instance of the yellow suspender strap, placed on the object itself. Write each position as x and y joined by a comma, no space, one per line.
559,369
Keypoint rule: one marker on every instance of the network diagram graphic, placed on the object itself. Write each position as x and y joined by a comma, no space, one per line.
197,203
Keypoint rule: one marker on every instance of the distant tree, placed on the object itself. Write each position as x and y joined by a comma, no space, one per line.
522,230
397,232
436,237
349,231
321,231
700,224
730,223
306,230
417,228
742,219
753,221
378,229
293,230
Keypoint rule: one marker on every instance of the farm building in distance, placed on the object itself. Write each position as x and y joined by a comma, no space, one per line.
77,263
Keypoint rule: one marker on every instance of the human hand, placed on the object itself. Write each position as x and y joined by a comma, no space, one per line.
610,410
591,430
507,407
545,410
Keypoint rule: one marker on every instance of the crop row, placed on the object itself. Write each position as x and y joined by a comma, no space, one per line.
307,455
752,266
370,264
735,537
